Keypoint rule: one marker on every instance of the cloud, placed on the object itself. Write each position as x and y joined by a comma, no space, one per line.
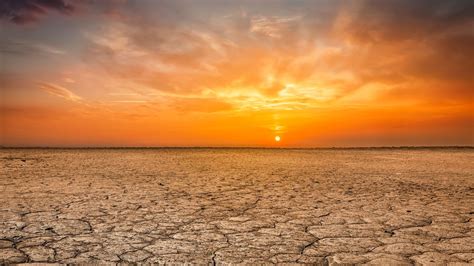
25,48
29,11
318,63
60,92
423,46
273,27
327,50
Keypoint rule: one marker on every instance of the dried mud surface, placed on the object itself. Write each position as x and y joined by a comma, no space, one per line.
219,206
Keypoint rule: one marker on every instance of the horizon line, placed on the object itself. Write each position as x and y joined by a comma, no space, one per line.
245,147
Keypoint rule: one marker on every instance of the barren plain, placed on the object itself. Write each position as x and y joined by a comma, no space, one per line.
231,206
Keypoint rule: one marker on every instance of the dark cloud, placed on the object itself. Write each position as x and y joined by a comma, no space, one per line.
28,11
395,20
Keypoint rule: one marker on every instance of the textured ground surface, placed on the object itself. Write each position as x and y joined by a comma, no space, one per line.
237,206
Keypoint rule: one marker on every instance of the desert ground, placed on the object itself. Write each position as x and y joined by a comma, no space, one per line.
230,206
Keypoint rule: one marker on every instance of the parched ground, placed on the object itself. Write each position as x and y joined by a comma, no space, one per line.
206,206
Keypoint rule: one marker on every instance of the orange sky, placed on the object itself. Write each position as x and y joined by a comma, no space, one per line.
237,73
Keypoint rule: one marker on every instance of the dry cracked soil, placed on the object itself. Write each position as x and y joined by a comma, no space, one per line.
237,206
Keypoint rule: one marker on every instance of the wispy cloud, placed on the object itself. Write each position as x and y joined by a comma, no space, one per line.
60,92
27,48
274,27
29,11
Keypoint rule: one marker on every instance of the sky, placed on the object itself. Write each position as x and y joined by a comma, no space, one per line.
317,73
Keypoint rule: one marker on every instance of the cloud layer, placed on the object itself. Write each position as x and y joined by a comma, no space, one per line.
294,65
298,56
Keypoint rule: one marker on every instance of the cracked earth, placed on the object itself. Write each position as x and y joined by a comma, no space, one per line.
224,206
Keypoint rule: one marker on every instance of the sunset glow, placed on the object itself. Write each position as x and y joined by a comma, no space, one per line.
238,73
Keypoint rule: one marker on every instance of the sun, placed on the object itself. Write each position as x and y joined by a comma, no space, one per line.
277,138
